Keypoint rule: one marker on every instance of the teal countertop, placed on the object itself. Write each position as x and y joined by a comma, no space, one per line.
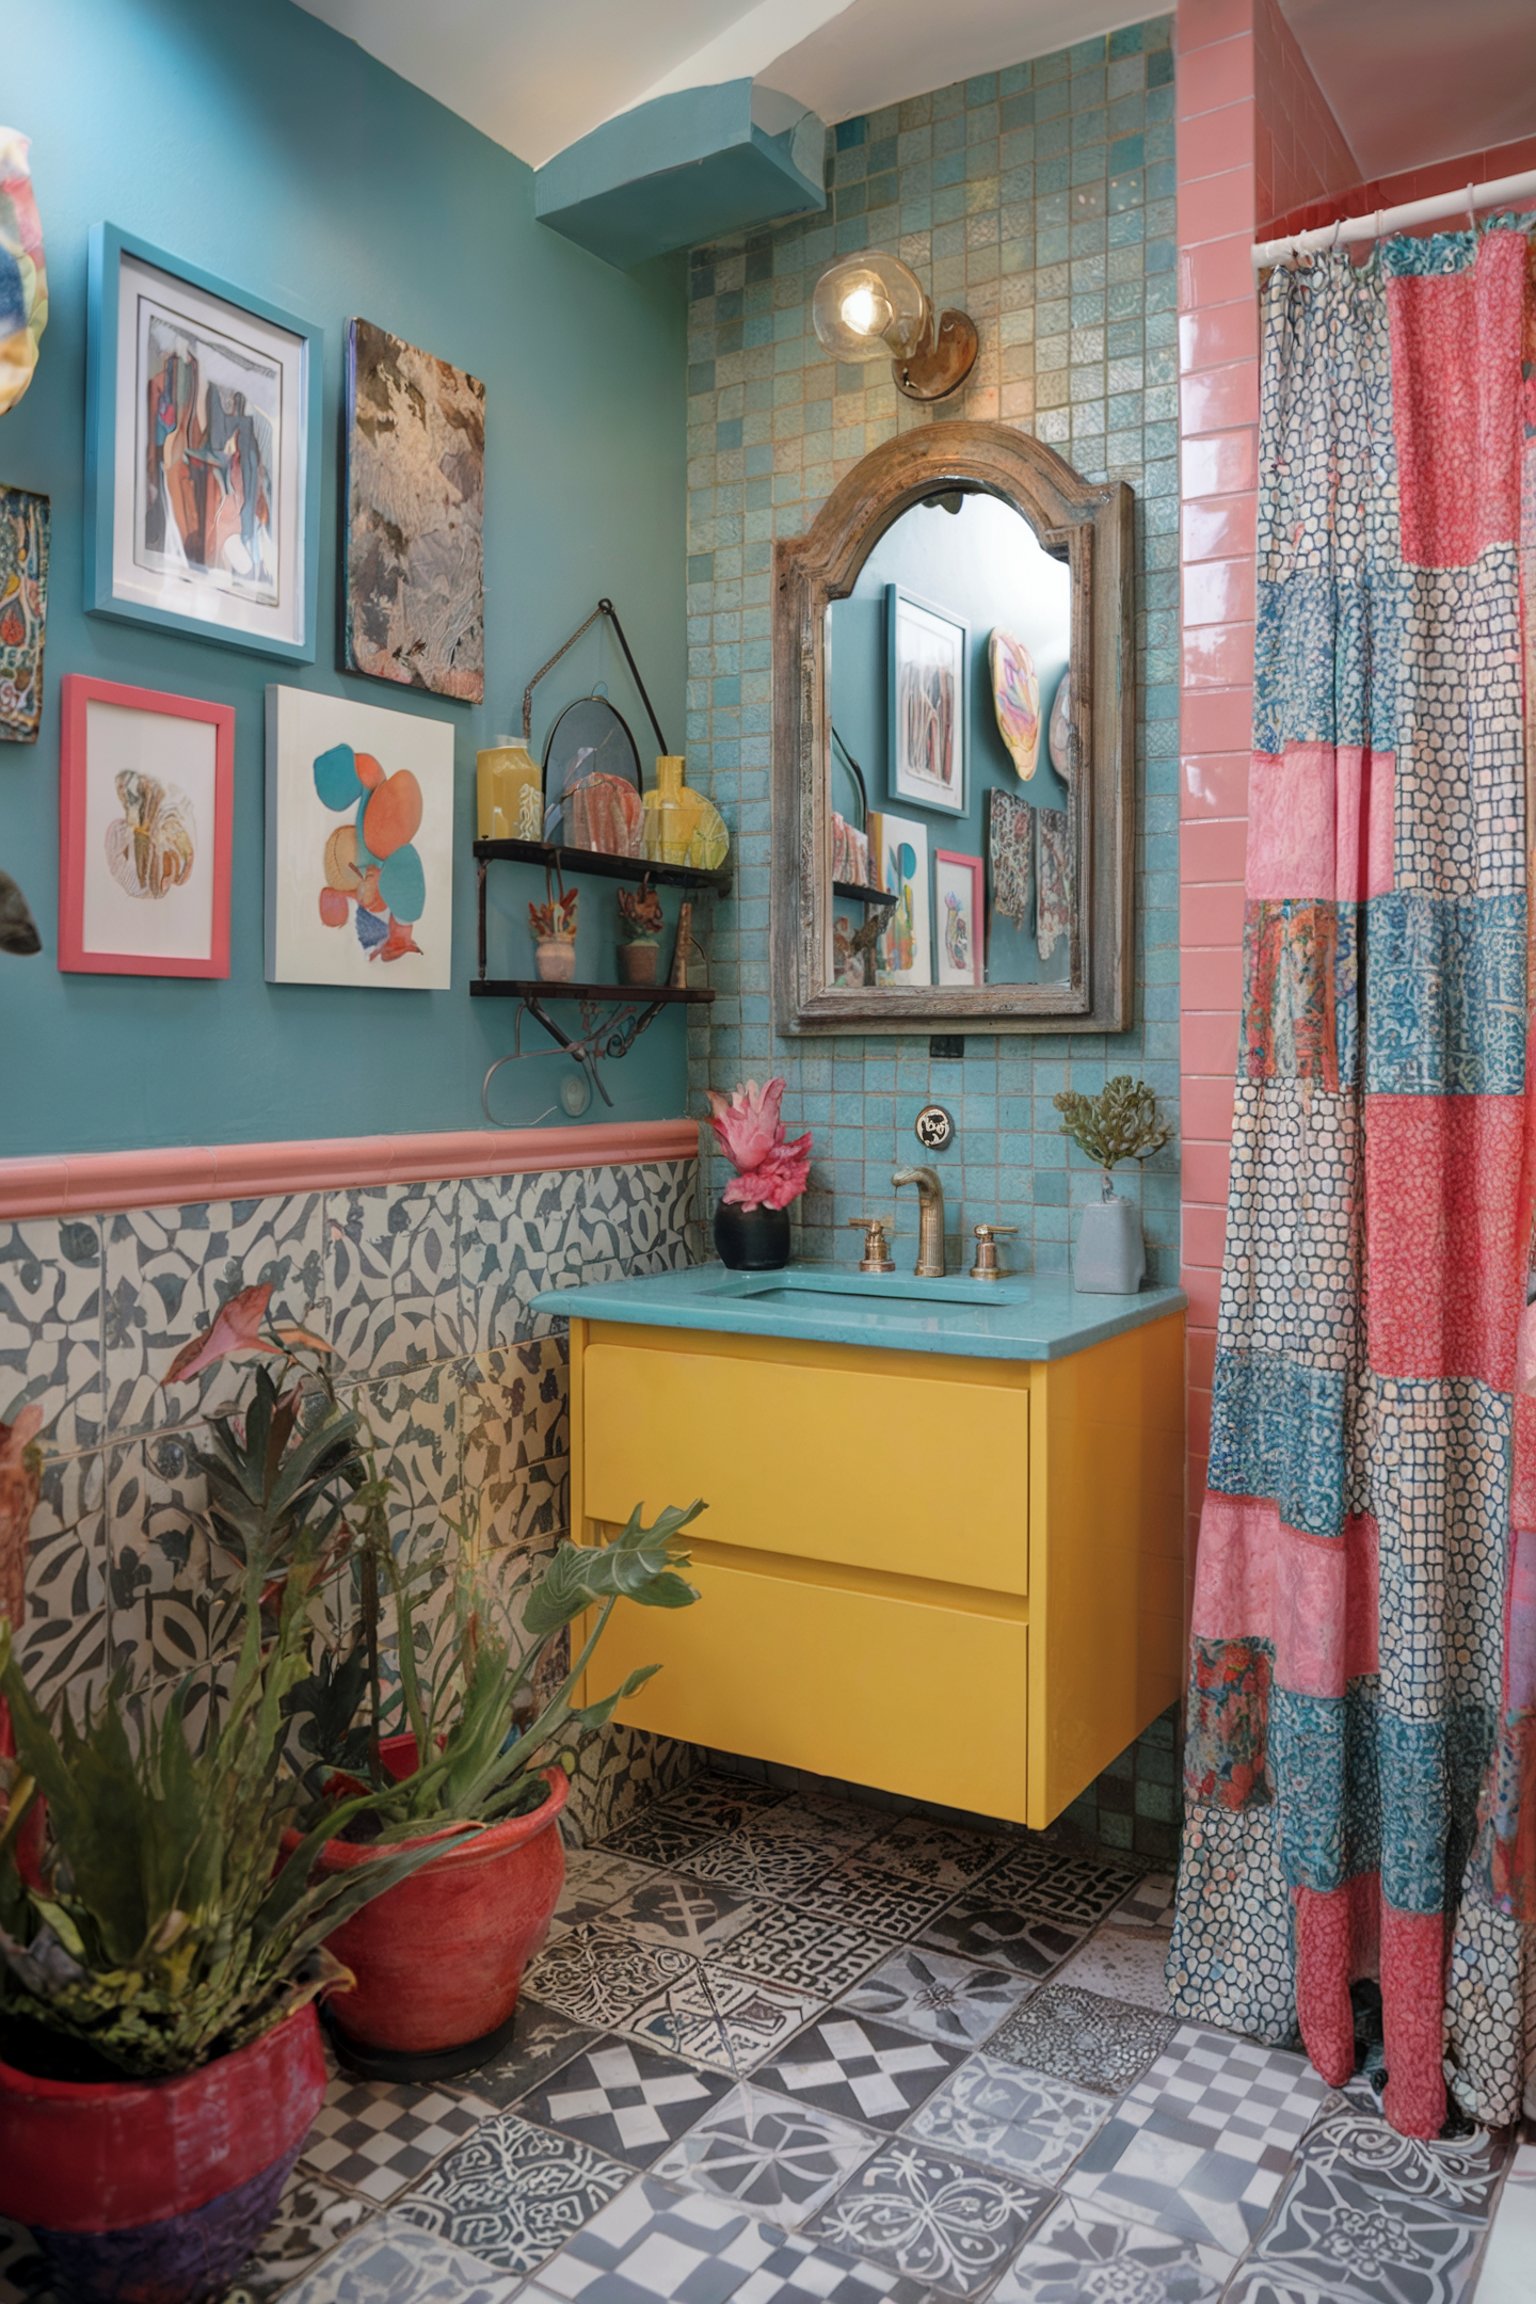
1015,1318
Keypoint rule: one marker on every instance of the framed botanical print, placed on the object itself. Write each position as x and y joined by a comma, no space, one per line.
959,943
202,453
926,649
146,813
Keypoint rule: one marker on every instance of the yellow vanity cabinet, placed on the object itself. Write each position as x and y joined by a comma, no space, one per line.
959,1578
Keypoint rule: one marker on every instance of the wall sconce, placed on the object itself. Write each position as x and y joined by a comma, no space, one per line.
874,307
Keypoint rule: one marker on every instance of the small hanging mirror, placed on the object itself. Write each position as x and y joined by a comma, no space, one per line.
592,780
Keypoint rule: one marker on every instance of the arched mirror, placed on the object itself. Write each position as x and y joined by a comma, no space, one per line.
953,726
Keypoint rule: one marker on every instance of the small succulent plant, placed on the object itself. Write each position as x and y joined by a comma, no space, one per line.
556,920
641,918
1120,1123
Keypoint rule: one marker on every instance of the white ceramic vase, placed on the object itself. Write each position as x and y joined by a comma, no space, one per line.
1111,1254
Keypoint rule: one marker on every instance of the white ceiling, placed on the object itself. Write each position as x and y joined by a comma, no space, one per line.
1410,81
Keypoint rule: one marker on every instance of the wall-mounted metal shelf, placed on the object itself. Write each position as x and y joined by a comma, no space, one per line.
857,893
601,866
537,988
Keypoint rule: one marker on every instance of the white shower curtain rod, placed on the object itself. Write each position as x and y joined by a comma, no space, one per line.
1350,230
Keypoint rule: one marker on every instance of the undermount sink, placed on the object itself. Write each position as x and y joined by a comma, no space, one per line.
793,1286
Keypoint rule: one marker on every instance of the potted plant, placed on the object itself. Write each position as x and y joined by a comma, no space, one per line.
464,1758
1120,1123
641,921
752,1220
160,2057
554,937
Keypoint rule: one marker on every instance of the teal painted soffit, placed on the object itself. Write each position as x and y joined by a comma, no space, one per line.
682,169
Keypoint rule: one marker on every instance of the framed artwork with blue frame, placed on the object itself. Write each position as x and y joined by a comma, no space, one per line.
202,453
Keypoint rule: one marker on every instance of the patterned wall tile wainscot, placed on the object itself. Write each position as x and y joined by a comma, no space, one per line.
424,1287
1041,199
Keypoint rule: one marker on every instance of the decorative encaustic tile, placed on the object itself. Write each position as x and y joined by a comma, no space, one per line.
863,1894
843,1826
166,1271
511,2194
624,2099
952,1856
1103,2044
1122,1964
714,2017
63,1641
515,1412
695,1915
1005,2117
721,1803
413,1422
652,2244
760,1861
1461,2175
938,1995
542,2041
51,1327
931,2218
860,2069
311,2218
173,1594
994,1929
376,2140
802,1951
1058,1885
1149,1904
1334,2233
781,2160
600,1975
393,1270
662,1840
389,2261
596,1879
23,2274
1080,2256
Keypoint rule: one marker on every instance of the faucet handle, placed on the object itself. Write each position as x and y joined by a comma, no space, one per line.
986,1266
877,1254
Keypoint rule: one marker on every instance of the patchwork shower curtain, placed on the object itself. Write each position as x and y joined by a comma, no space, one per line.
1361,1744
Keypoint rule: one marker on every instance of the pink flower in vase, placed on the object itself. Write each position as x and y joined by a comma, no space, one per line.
771,1170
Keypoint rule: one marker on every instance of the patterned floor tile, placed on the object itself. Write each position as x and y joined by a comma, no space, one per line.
600,1975
388,2261
1203,2143
931,2218
801,1951
781,2160
1122,1964
1060,1886
376,2140
1024,2122
1506,2273
624,2099
793,2271
724,1803
1262,2284
1078,2256
717,2018
987,1926
1149,1904
941,1997
696,1915
660,1840
312,2217
864,1894
595,1880
23,2274
1462,2176
512,2194
951,1856
1080,2036
860,2069
761,1862
542,2040
652,2245
841,1825
1332,2232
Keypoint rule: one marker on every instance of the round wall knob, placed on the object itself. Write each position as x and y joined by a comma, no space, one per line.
934,1128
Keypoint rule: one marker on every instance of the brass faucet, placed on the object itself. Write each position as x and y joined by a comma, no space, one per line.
930,1220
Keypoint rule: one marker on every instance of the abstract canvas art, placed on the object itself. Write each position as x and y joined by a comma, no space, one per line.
413,608
203,442
957,912
1011,855
927,653
904,954
23,612
359,844
1054,879
145,832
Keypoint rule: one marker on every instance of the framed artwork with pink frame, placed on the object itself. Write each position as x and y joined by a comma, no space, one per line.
146,820
959,933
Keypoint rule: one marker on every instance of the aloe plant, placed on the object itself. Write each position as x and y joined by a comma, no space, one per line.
161,1927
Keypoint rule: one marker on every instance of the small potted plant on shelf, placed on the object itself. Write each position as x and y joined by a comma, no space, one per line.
554,937
641,921
772,1170
1120,1123
160,2061
464,1756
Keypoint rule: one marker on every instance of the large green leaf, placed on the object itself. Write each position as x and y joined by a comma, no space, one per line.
638,1564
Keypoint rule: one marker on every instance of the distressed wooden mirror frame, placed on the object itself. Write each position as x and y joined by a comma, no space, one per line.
1091,529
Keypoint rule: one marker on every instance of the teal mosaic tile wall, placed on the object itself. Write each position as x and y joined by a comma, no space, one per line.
1040,198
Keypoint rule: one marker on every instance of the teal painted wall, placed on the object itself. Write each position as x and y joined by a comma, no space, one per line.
259,144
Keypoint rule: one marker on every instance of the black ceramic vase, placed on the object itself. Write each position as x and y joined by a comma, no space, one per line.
752,1239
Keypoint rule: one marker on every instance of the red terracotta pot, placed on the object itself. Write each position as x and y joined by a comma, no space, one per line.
438,1959
156,2191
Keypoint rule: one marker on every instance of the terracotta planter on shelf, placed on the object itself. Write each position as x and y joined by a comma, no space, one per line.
554,960
156,2191
439,1958
639,961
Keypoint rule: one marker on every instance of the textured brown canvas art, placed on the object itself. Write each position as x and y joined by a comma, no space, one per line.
413,604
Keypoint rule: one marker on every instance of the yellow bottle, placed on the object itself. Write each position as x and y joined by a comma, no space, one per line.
509,793
672,813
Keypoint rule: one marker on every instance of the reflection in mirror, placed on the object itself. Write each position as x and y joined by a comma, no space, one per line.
953,838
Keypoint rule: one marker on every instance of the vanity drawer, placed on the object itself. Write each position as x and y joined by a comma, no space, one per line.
869,1684
881,1460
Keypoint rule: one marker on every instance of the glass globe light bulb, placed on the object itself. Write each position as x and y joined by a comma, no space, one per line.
870,307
